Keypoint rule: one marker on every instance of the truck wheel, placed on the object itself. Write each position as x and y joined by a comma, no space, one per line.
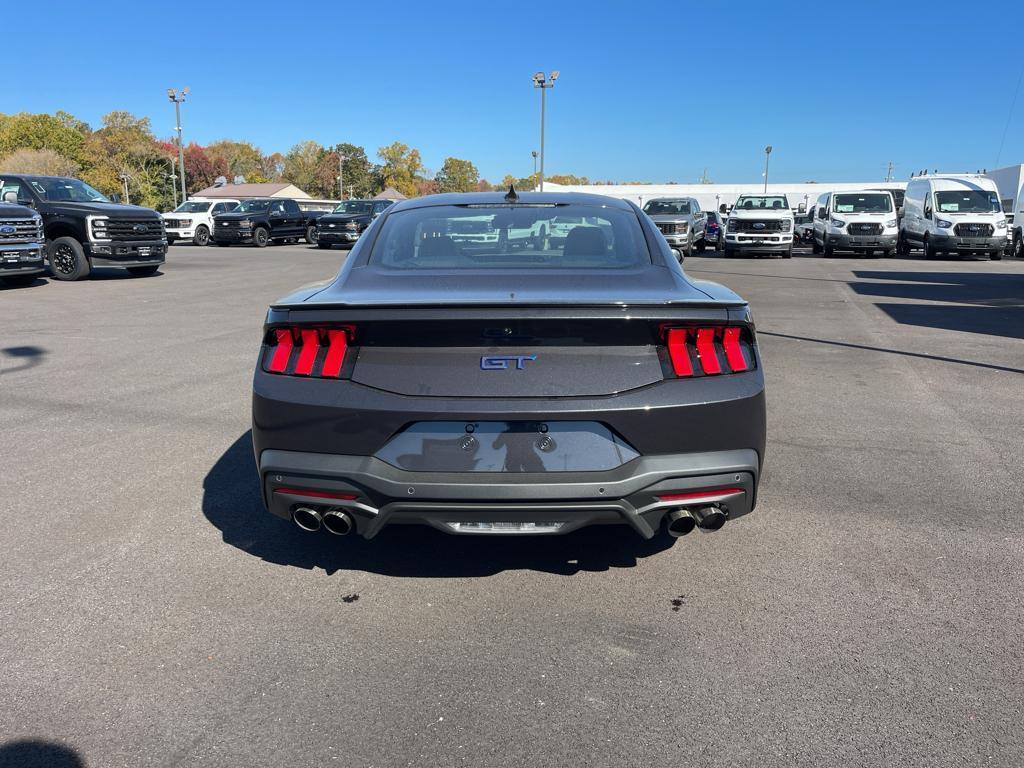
146,271
701,245
1018,246
788,253
889,253
996,255
202,236
688,250
902,245
827,248
815,248
311,234
260,237
728,252
67,259
929,252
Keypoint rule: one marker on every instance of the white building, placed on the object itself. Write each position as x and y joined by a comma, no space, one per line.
1010,181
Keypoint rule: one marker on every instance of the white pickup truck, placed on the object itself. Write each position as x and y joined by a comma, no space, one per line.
193,219
759,224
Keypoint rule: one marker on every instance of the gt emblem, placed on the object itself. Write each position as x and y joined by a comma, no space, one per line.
504,362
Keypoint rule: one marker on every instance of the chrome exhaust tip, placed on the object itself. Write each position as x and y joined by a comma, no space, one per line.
709,518
680,522
338,522
307,518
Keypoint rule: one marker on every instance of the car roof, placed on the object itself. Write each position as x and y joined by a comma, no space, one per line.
498,198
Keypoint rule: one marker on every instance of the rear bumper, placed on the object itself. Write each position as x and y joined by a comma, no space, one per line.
628,494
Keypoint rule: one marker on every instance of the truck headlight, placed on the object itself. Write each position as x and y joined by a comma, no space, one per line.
683,228
787,225
733,223
891,223
1001,224
839,223
98,228
245,223
943,224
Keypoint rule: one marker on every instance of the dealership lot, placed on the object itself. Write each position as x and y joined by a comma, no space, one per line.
868,612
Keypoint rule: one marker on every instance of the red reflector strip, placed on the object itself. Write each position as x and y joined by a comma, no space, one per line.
713,493
307,354
318,494
733,351
337,346
282,352
706,350
678,353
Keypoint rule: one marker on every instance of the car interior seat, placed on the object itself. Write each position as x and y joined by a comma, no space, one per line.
585,241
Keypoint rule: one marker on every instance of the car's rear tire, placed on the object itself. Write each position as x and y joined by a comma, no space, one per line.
146,271
311,234
201,236
67,259
827,248
261,237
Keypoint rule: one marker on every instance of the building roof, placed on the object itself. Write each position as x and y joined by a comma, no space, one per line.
390,194
280,189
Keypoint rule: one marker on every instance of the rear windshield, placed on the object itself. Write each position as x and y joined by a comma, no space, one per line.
662,207
510,237
871,203
967,201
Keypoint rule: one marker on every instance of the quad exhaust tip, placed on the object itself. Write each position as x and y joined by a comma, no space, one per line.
337,522
307,518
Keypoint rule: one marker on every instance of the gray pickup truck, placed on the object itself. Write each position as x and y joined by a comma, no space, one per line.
21,243
681,221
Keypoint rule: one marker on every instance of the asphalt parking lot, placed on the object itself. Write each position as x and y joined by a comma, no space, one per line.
868,613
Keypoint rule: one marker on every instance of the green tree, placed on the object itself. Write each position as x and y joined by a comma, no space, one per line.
125,147
457,176
302,166
358,171
40,131
400,168
240,157
44,162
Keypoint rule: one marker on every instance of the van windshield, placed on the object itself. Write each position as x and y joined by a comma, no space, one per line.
878,202
967,201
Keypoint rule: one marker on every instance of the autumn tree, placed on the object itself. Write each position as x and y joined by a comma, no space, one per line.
400,168
202,169
125,147
457,176
358,171
240,158
302,166
45,162
31,131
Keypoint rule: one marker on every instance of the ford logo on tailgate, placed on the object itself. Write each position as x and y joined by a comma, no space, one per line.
7,229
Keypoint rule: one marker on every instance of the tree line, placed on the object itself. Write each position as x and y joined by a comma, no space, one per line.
124,152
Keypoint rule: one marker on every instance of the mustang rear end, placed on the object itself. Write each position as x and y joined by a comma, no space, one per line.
537,381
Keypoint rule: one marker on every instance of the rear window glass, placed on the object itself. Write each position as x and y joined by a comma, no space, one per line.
511,237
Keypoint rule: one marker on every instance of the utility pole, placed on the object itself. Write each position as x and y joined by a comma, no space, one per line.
341,175
174,180
124,180
543,82
767,154
888,173
177,98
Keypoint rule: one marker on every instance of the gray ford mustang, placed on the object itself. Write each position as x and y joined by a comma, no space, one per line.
510,364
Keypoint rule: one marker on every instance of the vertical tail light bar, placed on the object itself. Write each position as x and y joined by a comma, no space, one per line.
307,351
716,350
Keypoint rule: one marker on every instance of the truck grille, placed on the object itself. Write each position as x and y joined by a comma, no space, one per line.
973,230
134,229
669,227
176,223
25,231
755,226
865,228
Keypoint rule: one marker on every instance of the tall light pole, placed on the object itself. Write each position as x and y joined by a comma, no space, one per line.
534,153
341,176
124,180
173,176
177,98
542,82
767,154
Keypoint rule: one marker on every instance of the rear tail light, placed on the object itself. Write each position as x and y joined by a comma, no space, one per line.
709,351
307,351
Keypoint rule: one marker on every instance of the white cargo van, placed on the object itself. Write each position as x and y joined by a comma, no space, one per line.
862,221
953,214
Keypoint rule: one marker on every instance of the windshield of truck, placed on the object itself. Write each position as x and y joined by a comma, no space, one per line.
193,206
762,202
457,237
663,207
967,201
67,190
877,202
253,206
355,207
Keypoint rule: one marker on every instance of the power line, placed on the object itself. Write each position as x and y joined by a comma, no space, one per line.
1009,117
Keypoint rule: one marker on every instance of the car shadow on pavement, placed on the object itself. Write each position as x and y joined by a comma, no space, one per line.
36,753
231,502
986,303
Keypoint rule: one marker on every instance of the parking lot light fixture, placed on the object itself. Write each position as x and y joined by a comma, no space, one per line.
542,81
177,98
767,154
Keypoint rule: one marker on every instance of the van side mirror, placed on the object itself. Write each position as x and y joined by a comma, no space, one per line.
927,212
802,208
821,213
115,198
722,208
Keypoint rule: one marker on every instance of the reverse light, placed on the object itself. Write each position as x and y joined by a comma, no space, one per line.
702,351
307,351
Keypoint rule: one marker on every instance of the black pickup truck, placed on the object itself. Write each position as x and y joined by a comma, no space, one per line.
85,229
21,243
262,221
346,223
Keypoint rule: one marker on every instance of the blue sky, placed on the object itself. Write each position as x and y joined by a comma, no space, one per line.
653,91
